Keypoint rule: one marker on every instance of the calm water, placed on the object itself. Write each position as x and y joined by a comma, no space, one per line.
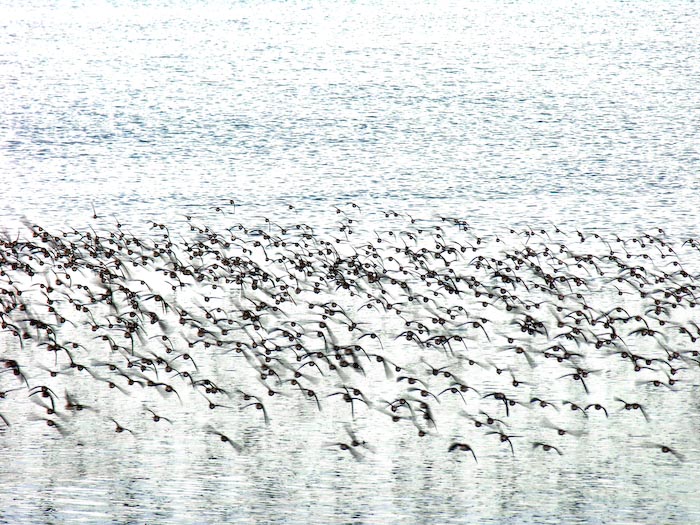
580,114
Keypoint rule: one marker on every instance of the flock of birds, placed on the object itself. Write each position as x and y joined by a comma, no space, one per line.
420,324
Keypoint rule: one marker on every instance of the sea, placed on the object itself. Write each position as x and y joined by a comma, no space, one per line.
489,118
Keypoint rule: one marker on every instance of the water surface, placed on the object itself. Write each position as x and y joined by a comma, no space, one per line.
577,114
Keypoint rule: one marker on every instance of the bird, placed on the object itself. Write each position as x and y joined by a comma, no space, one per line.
546,447
224,438
392,318
463,447
666,450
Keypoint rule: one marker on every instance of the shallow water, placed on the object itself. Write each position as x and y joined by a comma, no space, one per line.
582,115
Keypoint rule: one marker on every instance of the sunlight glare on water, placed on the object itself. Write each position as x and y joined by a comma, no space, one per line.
520,115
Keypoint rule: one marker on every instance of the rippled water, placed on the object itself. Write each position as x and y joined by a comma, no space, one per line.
578,112
581,114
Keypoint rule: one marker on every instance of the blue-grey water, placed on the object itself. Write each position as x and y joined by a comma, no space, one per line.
506,114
